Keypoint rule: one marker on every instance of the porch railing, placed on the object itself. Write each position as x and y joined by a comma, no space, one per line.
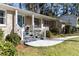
38,33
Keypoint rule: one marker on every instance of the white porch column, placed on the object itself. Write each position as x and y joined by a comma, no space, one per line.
33,24
16,23
16,16
42,24
44,33
43,29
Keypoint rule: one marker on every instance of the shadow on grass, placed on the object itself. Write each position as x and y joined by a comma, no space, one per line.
72,40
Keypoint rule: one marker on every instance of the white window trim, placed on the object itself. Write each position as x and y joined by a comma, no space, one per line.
5,18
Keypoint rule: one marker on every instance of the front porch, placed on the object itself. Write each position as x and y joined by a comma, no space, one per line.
33,27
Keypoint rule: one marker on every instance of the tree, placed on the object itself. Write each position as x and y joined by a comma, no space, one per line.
55,9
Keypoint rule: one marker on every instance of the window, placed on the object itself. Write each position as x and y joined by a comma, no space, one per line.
20,20
2,17
37,22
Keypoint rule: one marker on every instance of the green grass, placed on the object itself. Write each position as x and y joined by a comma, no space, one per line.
68,48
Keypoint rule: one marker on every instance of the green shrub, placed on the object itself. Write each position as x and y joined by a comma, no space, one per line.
61,35
13,38
68,29
54,30
7,49
74,29
48,34
1,34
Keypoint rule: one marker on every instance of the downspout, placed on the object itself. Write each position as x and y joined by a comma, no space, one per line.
13,23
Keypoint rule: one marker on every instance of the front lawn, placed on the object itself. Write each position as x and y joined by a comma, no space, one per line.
68,48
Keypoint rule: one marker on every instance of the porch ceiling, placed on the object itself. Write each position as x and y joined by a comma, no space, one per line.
27,13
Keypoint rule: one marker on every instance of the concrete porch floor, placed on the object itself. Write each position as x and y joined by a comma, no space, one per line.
45,43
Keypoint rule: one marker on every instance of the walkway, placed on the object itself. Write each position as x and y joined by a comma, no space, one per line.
44,43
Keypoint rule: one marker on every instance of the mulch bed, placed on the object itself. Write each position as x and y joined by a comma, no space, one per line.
20,47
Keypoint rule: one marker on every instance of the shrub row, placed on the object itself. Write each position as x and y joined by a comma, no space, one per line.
7,47
13,38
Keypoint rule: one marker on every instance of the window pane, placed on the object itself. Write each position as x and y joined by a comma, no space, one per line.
20,20
1,20
2,13
23,20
